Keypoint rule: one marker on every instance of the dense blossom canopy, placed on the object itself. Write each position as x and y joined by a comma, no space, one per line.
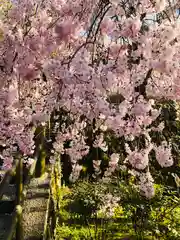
102,59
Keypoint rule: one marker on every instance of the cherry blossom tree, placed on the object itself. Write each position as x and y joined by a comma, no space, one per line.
109,78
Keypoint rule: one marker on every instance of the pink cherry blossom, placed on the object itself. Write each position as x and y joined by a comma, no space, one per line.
139,159
164,155
46,66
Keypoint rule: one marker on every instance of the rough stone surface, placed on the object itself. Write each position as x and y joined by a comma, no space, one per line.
35,205
5,222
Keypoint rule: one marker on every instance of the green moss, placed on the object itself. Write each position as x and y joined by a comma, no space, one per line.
41,164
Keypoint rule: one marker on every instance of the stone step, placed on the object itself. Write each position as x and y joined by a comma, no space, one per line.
6,207
4,183
5,224
9,192
35,204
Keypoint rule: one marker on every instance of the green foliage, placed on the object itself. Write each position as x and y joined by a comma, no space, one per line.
65,198
135,217
87,198
73,233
